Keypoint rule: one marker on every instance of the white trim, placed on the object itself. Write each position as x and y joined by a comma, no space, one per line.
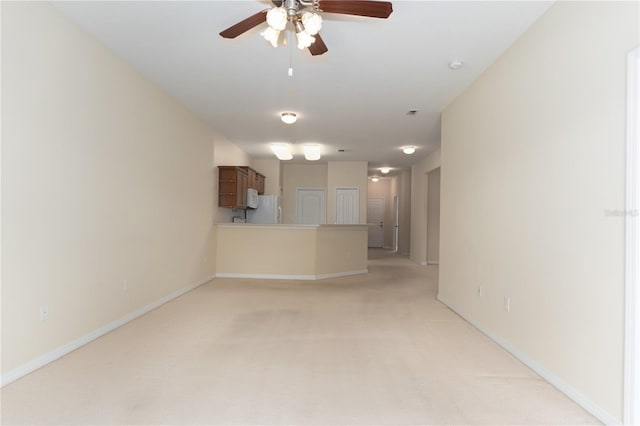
341,274
34,364
632,246
423,263
593,408
433,262
289,276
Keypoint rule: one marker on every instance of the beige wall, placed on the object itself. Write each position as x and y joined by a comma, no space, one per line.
334,174
271,169
401,186
419,190
346,174
104,179
261,250
303,252
533,155
299,176
225,153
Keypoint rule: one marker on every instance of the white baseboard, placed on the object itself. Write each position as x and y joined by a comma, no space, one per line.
289,276
593,408
433,262
23,370
423,263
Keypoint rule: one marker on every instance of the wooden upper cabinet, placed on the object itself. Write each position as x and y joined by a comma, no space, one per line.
232,187
255,179
260,182
233,182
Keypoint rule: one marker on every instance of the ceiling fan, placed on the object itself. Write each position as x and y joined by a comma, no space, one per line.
305,19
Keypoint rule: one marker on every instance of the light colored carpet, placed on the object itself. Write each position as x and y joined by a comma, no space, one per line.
363,350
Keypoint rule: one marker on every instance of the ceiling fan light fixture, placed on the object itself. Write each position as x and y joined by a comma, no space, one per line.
409,149
289,117
271,36
277,18
312,22
304,38
281,150
311,151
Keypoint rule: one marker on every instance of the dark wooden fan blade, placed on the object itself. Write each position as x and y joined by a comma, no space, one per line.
245,25
372,9
318,47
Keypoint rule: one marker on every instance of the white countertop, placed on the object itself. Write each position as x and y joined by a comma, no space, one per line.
240,225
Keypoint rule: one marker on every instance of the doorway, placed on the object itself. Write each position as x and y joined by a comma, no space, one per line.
375,219
347,206
433,217
311,206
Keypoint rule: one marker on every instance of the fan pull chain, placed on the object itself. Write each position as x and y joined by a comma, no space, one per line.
290,72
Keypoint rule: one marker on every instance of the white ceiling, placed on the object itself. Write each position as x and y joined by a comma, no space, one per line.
355,97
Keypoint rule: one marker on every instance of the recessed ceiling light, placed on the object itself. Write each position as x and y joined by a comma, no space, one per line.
456,65
385,170
289,117
408,149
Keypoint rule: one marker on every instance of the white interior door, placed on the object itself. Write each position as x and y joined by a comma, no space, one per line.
311,206
347,205
396,214
375,219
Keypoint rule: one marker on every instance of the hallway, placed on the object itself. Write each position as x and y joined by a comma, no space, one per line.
367,349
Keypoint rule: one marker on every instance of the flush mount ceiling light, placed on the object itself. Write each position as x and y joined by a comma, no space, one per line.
311,151
385,170
456,65
281,150
375,179
289,117
408,149
304,18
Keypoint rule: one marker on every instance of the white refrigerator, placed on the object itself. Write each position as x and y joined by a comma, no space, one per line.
268,210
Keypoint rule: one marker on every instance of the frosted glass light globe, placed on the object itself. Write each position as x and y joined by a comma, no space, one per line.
312,22
271,36
304,39
277,18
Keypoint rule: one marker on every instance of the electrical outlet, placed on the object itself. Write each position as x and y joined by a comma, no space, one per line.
507,304
479,291
125,286
44,312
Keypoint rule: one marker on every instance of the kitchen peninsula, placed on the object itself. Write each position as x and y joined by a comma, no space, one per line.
290,251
